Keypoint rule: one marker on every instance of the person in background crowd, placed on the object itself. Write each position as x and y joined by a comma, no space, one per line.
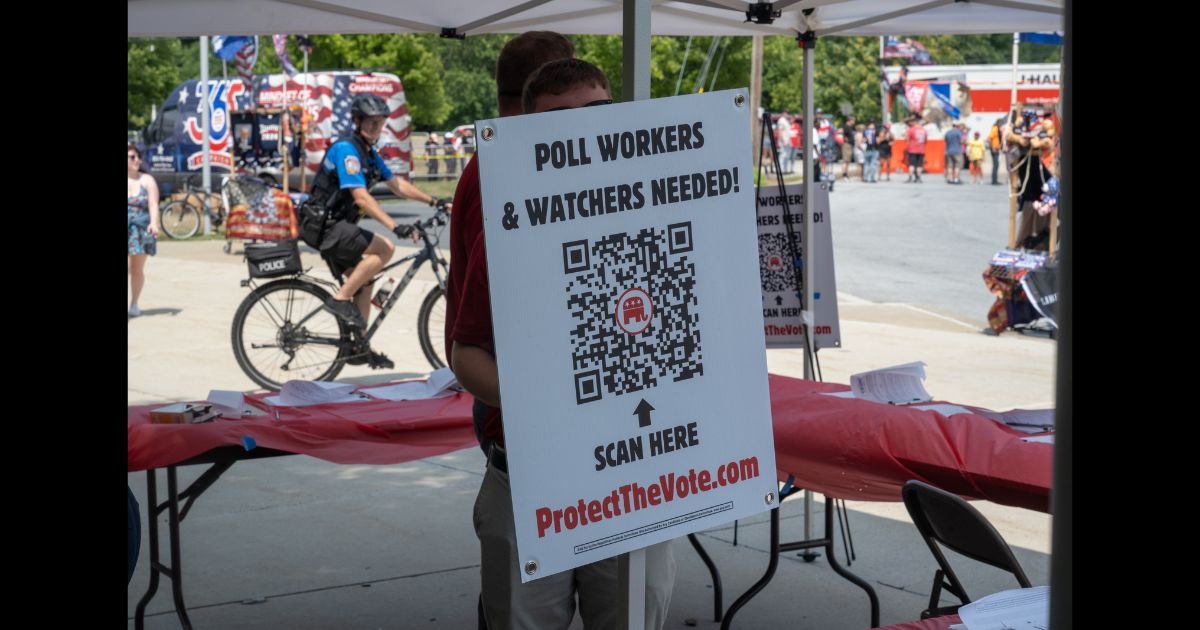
954,156
450,150
975,149
994,137
797,142
143,222
1027,139
827,147
860,150
783,140
847,147
432,148
916,136
871,166
885,150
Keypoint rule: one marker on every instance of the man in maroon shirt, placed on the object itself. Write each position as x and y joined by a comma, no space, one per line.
916,136
550,601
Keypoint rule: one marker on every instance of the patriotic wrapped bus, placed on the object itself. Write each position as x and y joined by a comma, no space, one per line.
246,125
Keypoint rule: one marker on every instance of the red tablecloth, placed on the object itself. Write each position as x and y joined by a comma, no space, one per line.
844,448
369,432
937,623
865,451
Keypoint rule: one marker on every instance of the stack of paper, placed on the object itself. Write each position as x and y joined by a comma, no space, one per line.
441,383
304,393
896,385
1016,609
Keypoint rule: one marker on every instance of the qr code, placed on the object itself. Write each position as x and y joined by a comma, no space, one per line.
634,311
775,262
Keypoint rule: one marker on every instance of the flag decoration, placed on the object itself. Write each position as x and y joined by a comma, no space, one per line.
245,59
1054,38
282,54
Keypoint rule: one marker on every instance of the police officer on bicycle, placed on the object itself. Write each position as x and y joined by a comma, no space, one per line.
340,196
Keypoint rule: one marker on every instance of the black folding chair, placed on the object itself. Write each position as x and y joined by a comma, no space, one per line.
945,518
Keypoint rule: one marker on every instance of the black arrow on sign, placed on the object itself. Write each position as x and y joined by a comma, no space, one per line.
643,413
778,300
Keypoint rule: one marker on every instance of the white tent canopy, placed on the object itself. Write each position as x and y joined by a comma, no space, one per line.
174,18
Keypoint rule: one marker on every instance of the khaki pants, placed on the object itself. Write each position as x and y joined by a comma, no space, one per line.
549,603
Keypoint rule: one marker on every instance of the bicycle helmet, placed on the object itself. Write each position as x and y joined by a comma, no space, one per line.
365,105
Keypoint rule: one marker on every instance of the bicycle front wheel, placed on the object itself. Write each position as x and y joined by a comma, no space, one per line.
431,327
280,333
179,219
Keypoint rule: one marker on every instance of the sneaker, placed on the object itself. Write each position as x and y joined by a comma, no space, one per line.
377,360
134,311
346,311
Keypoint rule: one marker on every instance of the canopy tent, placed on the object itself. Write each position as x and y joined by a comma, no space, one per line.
637,20
172,18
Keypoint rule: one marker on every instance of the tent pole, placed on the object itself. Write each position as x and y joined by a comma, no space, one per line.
635,86
1012,110
810,257
756,57
206,168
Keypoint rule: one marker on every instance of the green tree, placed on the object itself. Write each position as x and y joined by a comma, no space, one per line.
153,69
469,77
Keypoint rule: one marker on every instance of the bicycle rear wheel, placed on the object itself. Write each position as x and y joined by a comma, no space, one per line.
431,327
179,219
280,333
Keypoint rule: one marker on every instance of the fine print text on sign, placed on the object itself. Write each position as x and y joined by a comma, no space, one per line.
780,290
627,318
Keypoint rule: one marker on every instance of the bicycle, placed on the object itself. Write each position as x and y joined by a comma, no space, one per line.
181,218
281,332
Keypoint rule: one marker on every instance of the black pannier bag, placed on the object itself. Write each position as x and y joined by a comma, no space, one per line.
275,258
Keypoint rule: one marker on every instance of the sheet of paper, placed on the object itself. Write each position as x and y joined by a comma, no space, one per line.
897,385
1025,420
845,394
1047,439
441,383
944,409
299,393
232,404
443,379
1016,609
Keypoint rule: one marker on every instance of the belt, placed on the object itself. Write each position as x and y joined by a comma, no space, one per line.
498,459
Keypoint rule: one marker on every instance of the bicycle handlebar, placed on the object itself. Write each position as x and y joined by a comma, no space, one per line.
439,218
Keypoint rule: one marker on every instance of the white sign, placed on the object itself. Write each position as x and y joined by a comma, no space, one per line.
621,257
780,289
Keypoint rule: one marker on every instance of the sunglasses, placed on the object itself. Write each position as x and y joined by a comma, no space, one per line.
603,101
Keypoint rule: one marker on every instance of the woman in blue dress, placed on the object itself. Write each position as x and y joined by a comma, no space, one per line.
143,224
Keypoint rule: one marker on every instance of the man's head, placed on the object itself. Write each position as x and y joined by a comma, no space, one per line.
850,120
519,58
369,112
565,84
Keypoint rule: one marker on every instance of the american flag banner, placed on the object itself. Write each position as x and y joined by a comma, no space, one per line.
245,59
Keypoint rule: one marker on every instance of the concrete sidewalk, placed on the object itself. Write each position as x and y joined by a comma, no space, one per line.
297,542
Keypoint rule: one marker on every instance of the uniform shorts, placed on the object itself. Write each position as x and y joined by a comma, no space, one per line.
916,160
344,244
